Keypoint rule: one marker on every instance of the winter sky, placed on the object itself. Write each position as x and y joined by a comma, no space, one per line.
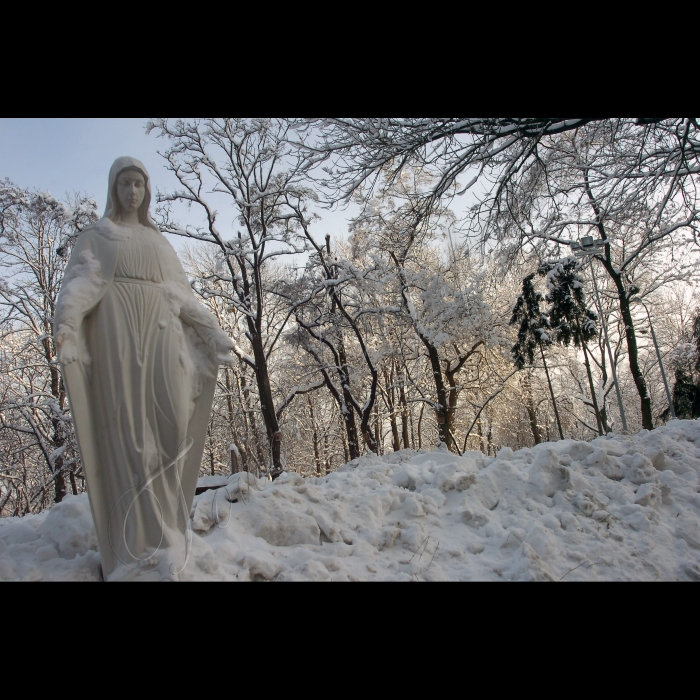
66,155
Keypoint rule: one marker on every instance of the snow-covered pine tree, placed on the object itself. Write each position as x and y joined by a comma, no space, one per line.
684,394
686,388
571,321
533,334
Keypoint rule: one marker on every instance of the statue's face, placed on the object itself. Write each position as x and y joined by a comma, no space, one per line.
131,190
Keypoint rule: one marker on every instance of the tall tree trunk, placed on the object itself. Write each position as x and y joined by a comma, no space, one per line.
442,409
60,487
420,422
604,379
326,453
267,405
73,483
59,434
451,409
530,408
377,432
346,410
317,454
60,490
229,406
626,313
372,440
598,417
343,434
232,419
551,392
391,405
212,465
251,422
395,441
632,348
59,440
404,415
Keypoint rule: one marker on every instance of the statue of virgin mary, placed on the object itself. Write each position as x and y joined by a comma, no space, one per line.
139,356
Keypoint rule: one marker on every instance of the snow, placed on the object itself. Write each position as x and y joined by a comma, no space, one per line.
617,508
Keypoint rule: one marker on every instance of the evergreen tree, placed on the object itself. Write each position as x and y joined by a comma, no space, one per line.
686,388
685,391
570,319
533,334
569,316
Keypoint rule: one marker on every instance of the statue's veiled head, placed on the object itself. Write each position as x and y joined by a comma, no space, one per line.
129,186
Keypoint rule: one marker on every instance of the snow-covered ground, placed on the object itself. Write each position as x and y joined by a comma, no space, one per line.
617,508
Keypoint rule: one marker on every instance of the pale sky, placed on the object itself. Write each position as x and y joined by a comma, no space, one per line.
66,155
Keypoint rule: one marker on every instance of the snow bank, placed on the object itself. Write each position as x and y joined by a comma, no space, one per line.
617,508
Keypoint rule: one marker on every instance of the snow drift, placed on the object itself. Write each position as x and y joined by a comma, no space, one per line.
617,508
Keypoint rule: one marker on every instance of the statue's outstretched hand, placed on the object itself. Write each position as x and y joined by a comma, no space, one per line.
226,359
225,356
67,345
220,350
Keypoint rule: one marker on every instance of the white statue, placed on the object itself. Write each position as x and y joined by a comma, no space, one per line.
139,356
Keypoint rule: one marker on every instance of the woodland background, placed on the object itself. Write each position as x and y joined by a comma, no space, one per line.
452,314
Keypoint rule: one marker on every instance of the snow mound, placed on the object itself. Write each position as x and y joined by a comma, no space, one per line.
617,508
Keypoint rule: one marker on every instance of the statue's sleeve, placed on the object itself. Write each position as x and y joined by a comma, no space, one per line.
82,289
204,324
192,312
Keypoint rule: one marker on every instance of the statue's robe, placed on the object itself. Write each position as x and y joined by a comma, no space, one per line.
139,359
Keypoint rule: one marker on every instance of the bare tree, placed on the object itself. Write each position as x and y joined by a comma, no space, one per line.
36,234
450,318
326,308
634,189
358,153
244,163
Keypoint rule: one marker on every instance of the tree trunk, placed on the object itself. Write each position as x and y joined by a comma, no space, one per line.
395,441
326,453
372,441
420,422
212,464
59,440
235,462
551,392
377,432
625,311
604,378
59,437
73,483
251,423
391,405
451,409
317,455
347,411
343,433
601,429
231,412
404,416
442,409
232,418
60,490
267,406
530,408
632,349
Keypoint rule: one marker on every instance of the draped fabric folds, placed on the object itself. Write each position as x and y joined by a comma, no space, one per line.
139,356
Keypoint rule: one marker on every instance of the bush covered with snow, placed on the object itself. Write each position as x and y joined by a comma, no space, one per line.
617,508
